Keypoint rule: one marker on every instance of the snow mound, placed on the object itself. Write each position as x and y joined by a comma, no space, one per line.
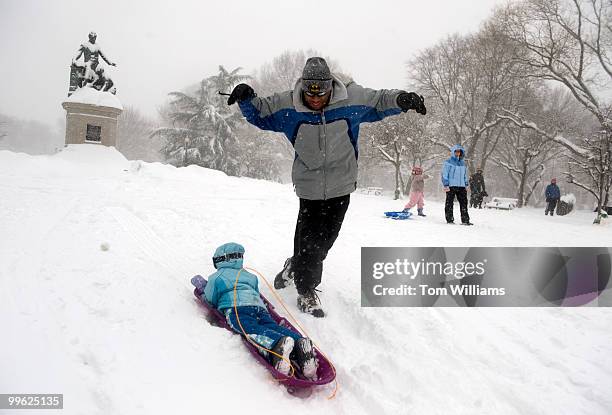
569,198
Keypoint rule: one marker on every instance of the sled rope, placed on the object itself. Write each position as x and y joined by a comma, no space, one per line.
294,320
246,336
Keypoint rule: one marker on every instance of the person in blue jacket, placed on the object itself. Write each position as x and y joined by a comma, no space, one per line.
553,194
253,313
455,182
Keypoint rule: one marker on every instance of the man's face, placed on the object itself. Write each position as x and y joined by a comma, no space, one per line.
458,153
315,102
92,39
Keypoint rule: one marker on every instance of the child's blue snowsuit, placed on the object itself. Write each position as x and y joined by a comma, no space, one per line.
253,314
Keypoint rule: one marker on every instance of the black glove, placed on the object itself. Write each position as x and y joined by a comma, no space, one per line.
240,93
411,101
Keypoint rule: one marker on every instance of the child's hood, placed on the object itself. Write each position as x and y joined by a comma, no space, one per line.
223,257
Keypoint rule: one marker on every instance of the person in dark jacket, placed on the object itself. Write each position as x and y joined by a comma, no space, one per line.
320,117
235,293
455,182
553,194
472,190
477,186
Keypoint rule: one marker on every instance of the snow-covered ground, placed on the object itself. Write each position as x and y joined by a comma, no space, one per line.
96,254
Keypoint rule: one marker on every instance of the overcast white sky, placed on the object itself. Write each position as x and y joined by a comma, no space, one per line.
161,46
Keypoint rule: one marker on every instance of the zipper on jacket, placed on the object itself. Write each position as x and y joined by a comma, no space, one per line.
324,154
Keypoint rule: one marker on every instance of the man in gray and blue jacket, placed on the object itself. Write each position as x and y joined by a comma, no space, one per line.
321,118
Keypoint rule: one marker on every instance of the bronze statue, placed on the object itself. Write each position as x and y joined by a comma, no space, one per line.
90,72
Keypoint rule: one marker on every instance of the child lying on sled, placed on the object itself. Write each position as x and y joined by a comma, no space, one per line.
253,314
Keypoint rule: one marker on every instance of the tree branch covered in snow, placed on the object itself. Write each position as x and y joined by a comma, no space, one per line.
558,138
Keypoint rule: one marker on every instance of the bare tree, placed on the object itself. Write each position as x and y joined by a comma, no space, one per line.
568,41
564,43
468,78
134,136
406,138
523,154
595,169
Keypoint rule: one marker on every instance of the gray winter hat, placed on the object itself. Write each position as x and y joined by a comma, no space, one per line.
316,68
316,77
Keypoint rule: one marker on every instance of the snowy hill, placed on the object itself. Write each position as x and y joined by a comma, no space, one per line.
95,302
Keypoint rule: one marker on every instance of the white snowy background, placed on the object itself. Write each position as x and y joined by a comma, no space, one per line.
96,254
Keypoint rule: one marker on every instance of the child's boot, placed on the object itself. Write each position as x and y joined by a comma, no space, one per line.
420,212
305,358
283,347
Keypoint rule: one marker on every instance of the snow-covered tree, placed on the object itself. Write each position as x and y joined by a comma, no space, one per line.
466,79
524,153
402,140
592,173
203,126
568,42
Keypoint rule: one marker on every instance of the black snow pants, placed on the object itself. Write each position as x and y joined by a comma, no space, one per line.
318,225
550,207
461,194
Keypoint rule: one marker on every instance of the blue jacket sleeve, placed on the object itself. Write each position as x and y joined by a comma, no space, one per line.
375,104
211,292
465,178
266,113
445,172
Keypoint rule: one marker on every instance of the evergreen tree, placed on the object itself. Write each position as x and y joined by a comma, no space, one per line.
203,126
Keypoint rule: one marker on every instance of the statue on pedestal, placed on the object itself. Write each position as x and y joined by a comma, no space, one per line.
90,72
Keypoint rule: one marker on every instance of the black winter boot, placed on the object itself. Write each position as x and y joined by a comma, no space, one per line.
420,212
310,303
284,278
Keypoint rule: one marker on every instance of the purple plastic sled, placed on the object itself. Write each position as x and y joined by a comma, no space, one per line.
325,373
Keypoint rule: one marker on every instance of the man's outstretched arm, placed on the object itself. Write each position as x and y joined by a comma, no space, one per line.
382,103
257,110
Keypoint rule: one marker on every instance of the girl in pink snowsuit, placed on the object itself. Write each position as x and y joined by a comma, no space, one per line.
416,191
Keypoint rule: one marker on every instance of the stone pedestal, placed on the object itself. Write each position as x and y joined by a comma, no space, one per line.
92,117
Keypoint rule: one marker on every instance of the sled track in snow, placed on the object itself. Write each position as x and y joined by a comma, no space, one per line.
148,241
